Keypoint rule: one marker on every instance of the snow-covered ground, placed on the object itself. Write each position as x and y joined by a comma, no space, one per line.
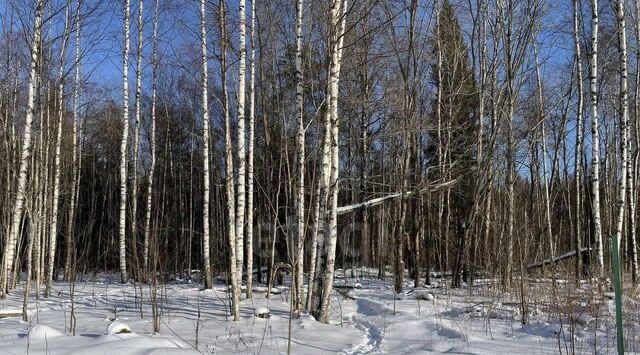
365,319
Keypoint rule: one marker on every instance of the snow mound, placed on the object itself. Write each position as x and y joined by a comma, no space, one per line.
423,294
499,314
262,312
372,307
43,332
118,328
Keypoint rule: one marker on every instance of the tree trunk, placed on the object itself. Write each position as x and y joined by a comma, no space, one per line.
123,147
136,143
578,150
250,177
75,184
240,191
53,231
300,153
235,287
205,148
338,19
18,202
624,118
154,75
595,140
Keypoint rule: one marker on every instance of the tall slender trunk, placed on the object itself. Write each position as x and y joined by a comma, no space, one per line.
136,143
578,150
543,138
252,111
300,140
624,118
154,75
123,147
511,146
18,202
315,247
634,173
338,20
235,287
241,182
595,140
75,178
205,148
53,231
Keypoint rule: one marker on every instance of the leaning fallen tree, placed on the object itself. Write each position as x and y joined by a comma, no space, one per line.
379,200
555,259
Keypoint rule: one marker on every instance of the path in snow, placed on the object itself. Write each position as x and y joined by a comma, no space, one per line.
368,312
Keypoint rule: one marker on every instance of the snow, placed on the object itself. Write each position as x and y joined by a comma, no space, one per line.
262,312
42,333
371,319
118,328
423,294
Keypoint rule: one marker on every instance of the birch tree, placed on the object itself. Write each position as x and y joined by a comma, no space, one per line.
242,164
330,159
75,177
25,153
152,168
230,193
136,141
300,152
123,146
595,139
205,148
250,175
53,231
624,118
579,138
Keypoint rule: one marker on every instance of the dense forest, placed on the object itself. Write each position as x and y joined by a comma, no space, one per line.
246,141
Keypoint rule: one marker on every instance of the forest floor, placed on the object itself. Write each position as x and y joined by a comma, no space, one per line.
366,317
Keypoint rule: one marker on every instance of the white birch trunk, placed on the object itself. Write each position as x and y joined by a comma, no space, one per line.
338,14
136,143
205,148
252,103
240,191
235,289
624,118
154,68
300,140
578,149
311,288
18,203
53,231
74,151
595,140
633,174
123,147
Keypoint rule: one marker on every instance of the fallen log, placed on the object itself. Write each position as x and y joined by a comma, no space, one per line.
555,259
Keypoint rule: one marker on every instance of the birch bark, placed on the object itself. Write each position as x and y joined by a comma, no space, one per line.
18,203
300,140
624,118
595,139
205,148
252,105
123,146
154,74
53,231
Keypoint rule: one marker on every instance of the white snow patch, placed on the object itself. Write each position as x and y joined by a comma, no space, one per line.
118,328
423,294
262,312
42,332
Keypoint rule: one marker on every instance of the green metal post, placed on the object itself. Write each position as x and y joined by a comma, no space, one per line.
615,268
